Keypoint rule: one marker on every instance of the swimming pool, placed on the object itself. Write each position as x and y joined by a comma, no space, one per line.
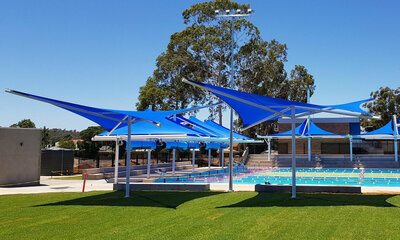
304,176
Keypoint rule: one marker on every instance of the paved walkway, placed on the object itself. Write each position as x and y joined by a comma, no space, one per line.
49,185
380,190
236,187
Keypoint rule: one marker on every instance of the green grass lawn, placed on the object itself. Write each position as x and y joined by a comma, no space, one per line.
199,215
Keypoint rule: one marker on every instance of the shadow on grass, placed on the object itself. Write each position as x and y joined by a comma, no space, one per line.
164,199
313,199
25,185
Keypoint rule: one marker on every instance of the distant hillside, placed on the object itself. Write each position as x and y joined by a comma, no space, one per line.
57,134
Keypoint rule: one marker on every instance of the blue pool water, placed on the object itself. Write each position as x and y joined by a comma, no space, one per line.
304,176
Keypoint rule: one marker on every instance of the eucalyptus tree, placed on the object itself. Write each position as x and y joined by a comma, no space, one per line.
263,72
202,52
386,103
25,123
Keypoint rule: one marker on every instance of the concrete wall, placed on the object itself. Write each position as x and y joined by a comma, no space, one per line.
20,156
303,188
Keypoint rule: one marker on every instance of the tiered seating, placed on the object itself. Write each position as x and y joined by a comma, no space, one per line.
323,161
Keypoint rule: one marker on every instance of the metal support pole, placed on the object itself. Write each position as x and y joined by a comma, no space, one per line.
232,17
309,148
193,159
293,118
128,159
231,117
173,155
148,162
222,157
396,157
396,134
269,148
351,149
173,161
209,159
308,127
116,162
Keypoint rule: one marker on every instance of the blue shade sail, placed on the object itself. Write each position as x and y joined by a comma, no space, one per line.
388,129
208,127
302,130
218,129
225,131
254,109
176,145
142,145
195,125
216,146
193,145
108,118
184,129
168,127
224,145
353,106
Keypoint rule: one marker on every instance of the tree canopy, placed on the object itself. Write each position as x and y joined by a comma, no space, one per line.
88,133
68,144
45,137
202,52
25,123
386,104
87,148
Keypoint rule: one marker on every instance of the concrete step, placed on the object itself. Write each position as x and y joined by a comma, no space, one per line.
95,176
258,156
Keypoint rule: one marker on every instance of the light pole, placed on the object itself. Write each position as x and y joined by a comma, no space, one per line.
233,15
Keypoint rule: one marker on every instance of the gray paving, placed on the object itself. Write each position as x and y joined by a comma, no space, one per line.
50,185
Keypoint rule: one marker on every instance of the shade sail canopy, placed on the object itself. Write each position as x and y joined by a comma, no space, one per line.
353,106
302,130
108,118
387,130
208,127
221,131
168,127
176,145
143,145
254,109
193,145
175,128
215,146
195,125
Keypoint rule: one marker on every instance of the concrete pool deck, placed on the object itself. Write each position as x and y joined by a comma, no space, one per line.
52,185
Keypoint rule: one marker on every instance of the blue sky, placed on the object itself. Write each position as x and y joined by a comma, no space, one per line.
99,53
